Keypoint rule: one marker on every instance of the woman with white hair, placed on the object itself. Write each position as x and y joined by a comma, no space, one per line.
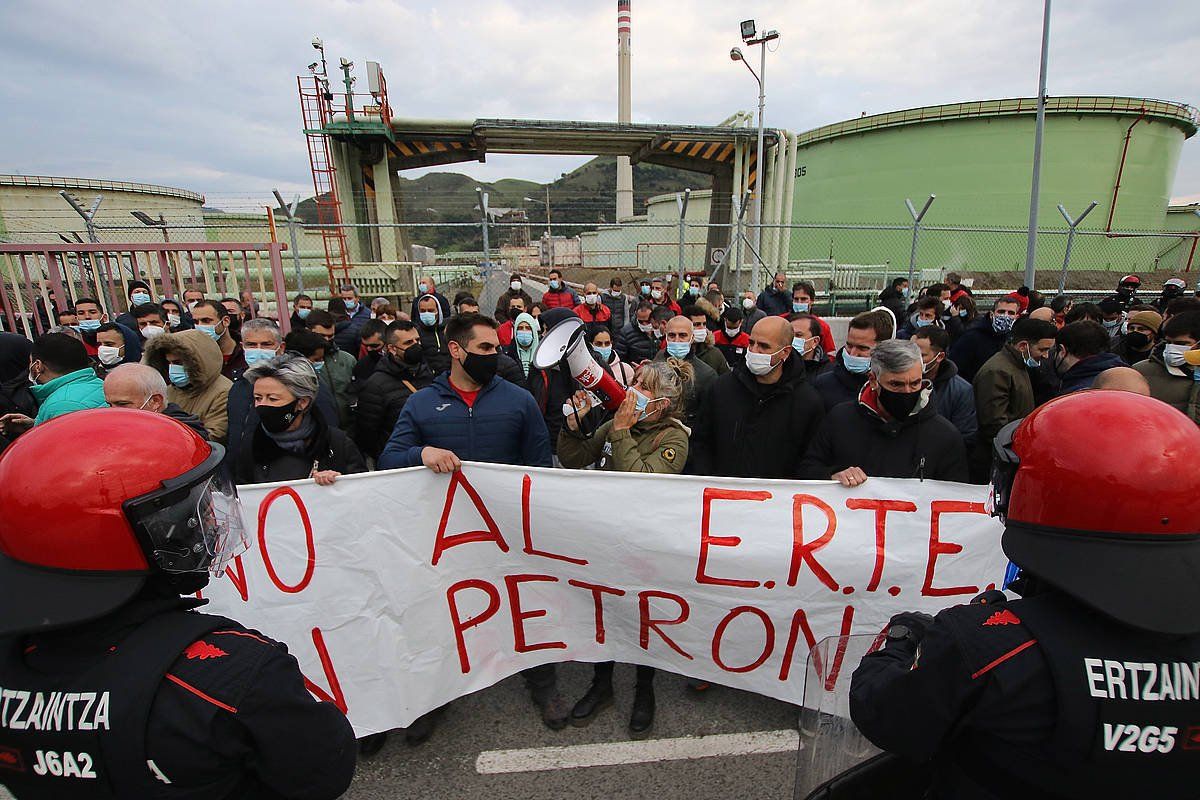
292,440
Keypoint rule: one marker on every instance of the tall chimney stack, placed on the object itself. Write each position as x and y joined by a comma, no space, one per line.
624,168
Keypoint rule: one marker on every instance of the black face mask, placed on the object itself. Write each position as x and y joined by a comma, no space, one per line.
276,419
1137,340
412,356
899,404
481,368
513,313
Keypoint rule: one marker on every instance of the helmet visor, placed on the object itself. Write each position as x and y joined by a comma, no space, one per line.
1005,462
194,523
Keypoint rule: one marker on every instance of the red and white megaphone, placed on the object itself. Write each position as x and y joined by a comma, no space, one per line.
565,343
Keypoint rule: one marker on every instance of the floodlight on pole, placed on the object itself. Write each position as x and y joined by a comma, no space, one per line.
146,219
750,36
747,29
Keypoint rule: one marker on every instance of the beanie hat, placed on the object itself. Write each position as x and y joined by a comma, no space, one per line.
1020,297
1151,319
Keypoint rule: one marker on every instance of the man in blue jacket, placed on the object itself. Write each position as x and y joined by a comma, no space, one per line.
472,414
955,397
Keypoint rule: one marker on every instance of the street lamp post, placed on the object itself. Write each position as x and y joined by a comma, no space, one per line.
750,37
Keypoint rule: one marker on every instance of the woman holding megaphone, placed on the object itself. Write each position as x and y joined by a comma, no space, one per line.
644,435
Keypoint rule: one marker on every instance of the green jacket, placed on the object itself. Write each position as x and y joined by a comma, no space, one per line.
713,357
75,391
659,447
1174,386
1003,393
339,374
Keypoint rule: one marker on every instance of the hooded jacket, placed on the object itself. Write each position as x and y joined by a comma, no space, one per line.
1084,373
922,445
382,398
132,354
752,430
523,355
837,385
15,397
1174,386
264,461
434,344
978,343
956,401
504,426
75,391
207,395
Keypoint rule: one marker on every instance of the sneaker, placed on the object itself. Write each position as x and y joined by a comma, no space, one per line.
642,718
599,697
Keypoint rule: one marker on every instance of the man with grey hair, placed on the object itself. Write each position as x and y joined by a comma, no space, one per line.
142,387
892,430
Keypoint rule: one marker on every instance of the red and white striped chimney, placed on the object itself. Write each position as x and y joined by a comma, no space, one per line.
624,168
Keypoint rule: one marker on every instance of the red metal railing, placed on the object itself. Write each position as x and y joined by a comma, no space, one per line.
36,279
315,108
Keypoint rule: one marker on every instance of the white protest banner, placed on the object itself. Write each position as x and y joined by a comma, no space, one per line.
400,591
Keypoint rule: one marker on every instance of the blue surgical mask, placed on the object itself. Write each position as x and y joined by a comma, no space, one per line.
140,298
254,355
645,291
797,344
856,364
555,284
303,313
605,353
524,338
922,323
428,318
1032,363
351,306
89,325
211,330
799,308
642,403
679,349
319,365
694,291
177,374
962,312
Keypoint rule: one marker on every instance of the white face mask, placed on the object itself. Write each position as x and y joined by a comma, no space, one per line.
645,327
700,335
615,292
515,286
108,355
733,333
591,299
747,304
760,363
1173,354
150,331
656,294
173,320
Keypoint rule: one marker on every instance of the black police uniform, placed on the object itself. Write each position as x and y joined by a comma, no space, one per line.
1037,698
158,701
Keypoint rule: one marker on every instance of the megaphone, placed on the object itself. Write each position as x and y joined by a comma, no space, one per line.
565,343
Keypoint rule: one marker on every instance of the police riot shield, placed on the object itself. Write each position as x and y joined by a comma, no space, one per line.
830,743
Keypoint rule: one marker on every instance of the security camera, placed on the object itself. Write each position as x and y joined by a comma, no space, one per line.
317,43
346,63
313,66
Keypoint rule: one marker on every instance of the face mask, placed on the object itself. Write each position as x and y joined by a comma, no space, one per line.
856,364
798,344
211,330
700,335
424,287
656,294
1137,340
1002,324
555,284
89,325
192,305
760,363
277,419
679,349
514,285
1032,363
319,366
173,320
177,374
139,298
480,367
351,306
922,323
411,356
931,366
645,290
303,313
524,338
798,308
694,291
899,404
253,355
150,331
642,404
513,313
962,312
747,303
1173,354
905,291
591,299
645,327
1111,325
428,318
108,355
615,291
605,353
732,333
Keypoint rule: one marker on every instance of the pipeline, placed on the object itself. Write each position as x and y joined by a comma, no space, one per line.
1112,207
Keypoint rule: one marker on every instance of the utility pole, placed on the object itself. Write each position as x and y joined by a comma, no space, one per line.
750,37
290,210
87,215
1031,245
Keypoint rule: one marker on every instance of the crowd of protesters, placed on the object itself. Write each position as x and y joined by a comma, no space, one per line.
739,386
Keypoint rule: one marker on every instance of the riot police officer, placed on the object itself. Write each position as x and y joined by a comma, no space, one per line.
1089,685
112,685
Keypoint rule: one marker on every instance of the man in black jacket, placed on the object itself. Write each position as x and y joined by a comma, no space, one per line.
843,380
892,430
397,377
635,342
431,327
757,421
984,337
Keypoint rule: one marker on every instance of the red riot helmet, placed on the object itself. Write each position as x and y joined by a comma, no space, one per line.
94,502
1098,492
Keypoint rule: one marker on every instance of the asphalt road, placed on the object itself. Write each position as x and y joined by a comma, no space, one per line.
503,718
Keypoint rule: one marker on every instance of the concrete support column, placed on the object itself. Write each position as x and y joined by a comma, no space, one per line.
385,211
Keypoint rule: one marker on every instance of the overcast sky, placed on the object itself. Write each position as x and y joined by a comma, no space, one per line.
202,95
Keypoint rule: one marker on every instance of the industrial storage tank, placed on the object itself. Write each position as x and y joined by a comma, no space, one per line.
976,157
